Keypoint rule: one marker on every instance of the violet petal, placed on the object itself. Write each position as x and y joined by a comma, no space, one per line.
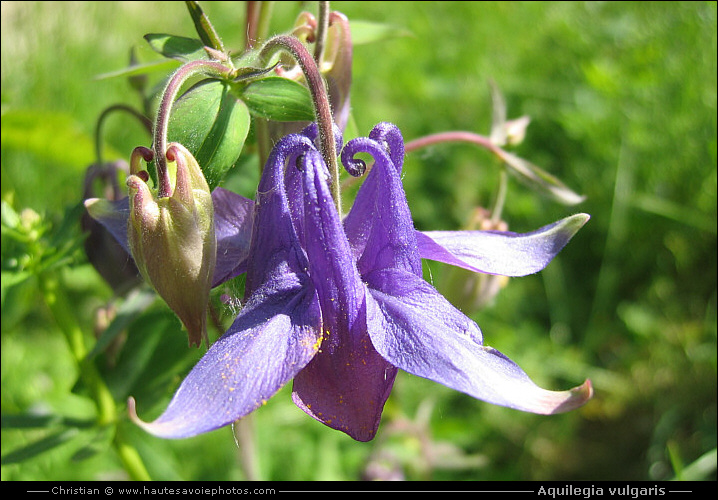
379,226
496,252
271,340
233,218
113,215
414,328
347,383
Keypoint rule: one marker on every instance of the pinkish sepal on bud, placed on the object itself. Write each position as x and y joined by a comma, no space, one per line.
171,235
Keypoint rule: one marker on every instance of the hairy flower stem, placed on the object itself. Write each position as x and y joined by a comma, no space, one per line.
250,24
146,122
458,136
258,15
479,140
322,108
207,68
322,27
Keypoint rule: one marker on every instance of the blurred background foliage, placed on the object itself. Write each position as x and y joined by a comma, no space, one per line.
622,98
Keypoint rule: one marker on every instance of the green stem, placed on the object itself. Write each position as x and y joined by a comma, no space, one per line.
131,460
500,197
265,16
61,309
264,145
146,122
322,27
243,430
259,15
320,97
207,68
53,293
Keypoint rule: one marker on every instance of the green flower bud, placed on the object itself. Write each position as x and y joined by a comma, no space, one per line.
171,235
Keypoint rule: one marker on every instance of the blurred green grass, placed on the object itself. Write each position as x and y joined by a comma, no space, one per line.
622,97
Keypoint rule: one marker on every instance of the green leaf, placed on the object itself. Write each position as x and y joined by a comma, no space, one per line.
140,69
12,278
364,32
204,27
212,124
39,447
674,211
248,73
8,215
153,355
35,421
135,304
701,469
279,99
177,47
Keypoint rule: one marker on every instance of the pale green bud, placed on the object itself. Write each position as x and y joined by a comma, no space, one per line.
172,236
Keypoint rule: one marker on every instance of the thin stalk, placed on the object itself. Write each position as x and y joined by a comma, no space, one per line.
322,27
131,460
264,146
456,136
146,122
265,16
479,140
528,172
250,24
320,97
61,309
207,68
500,197
53,293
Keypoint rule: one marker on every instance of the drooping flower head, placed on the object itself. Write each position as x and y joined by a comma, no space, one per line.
340,305
170,232
173,238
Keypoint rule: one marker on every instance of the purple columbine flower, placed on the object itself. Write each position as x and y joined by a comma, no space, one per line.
340,306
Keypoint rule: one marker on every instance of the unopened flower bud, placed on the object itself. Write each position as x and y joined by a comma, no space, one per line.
516,130
171,235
